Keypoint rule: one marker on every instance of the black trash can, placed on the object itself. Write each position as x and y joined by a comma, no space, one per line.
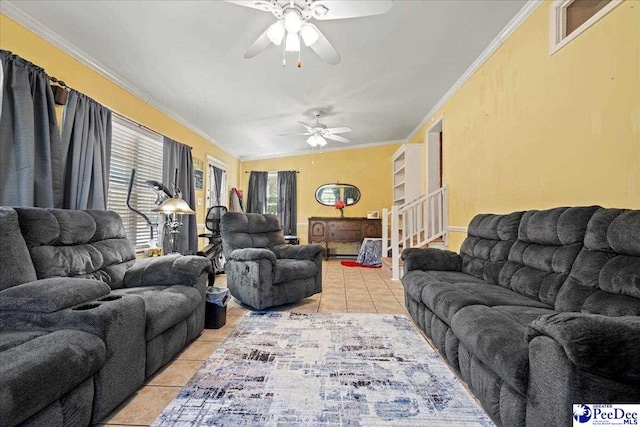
215,315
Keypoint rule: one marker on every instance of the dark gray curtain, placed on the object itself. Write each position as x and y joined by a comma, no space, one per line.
288,202
31,163
178,156
257,194
350,193
86,145
217,185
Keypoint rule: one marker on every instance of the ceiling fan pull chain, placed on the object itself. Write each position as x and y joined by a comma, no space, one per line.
299,64
284,55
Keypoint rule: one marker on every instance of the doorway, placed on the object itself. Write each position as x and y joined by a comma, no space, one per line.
434,140
216,183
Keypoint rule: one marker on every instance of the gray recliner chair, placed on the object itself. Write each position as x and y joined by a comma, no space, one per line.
263,271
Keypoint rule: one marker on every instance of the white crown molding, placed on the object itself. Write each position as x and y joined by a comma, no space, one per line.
484,56
13,12
457,229
310,150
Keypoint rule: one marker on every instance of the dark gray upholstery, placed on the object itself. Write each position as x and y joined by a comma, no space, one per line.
14,270
550,321
40,368
84,277
262,271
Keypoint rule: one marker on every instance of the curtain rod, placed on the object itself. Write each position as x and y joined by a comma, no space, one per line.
126,119
269,171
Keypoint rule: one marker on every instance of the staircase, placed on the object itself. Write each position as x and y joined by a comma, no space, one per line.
418,223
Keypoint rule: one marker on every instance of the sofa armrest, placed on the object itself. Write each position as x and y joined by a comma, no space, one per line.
51,295
253,254
167,270
605,346
300,252
431,259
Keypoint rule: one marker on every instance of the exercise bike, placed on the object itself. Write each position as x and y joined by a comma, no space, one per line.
213,250
162,194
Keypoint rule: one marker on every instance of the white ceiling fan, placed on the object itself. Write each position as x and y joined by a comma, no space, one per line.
319,133
294,23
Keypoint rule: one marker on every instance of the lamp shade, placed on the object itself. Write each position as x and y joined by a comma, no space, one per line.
175,205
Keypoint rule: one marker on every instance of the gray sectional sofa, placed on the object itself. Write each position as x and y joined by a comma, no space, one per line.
82,322
539,310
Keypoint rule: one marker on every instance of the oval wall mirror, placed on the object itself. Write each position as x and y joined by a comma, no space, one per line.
329,194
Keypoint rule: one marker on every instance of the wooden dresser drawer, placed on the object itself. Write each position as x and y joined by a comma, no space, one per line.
345,226
346,235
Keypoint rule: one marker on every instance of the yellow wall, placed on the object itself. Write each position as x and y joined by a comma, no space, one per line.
532,131
369,169
21,41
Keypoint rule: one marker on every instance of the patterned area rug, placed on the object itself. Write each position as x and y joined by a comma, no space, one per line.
289,369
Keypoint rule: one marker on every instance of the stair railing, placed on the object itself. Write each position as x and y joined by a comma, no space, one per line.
414,224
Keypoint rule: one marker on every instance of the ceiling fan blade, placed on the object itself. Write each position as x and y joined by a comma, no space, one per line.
336,138
342,129
324,48
258,46
290,134
309,128
338,9
256,4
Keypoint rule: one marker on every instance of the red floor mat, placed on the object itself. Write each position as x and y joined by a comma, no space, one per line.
357,264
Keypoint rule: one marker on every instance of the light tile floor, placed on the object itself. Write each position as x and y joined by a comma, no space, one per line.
344,290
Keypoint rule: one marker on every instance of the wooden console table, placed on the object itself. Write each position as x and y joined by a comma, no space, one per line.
342,230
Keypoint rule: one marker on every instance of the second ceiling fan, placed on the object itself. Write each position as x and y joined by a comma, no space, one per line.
319,133
294,24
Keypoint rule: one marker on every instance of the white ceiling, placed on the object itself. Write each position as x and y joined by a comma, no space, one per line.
188,57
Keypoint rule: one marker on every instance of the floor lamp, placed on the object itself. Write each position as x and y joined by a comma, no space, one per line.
174,208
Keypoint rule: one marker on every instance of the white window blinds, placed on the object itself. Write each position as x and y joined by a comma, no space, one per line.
134,147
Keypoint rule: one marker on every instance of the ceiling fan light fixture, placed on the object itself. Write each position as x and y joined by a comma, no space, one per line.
321,10
275,33
316,140
292,20
293,43
308,34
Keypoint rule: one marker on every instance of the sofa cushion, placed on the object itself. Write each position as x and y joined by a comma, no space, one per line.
489,240
164,305
49,295
605,278
73,243
548,243
17,267
39,371
241,231
415,280
10,339
446,299
496,336
287,270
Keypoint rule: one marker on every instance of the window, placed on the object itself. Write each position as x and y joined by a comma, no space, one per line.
569,18
272,193
134,147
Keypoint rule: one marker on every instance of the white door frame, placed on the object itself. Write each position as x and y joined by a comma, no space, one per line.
212,161
432,153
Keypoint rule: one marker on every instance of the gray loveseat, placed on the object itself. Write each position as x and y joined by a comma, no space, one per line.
540,310
262,270
82,322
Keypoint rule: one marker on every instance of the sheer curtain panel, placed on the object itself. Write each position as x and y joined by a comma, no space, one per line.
288,202
178,156
31,162
86,141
